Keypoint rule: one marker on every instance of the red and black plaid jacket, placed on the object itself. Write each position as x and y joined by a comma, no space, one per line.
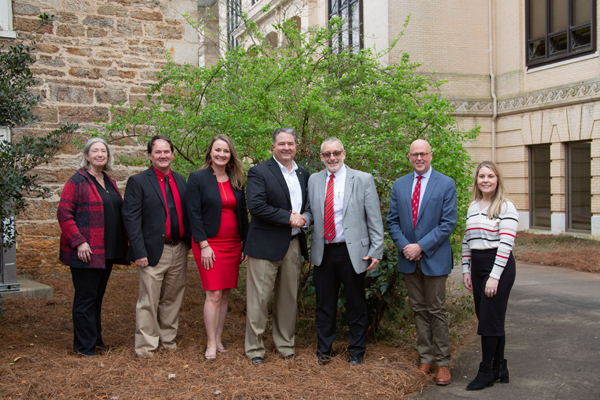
81,218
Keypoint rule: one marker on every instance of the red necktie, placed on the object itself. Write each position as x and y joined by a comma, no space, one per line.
415,200
329,225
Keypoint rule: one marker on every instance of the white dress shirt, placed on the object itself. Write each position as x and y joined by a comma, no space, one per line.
339,184
293,184
424,181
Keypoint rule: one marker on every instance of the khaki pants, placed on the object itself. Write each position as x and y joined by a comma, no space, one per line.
264,276
161,293
427,295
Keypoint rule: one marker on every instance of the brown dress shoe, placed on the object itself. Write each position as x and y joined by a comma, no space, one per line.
425,369
442,377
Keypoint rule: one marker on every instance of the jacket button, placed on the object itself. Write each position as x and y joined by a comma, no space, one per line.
163,235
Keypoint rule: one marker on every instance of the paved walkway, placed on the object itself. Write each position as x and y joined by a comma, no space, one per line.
552,340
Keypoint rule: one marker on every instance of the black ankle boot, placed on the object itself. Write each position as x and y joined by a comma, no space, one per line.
500,371
484,378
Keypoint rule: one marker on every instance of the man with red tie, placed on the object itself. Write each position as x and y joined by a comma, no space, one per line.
421,219
155,217
347,242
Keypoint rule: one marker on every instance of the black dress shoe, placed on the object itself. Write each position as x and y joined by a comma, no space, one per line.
257,361
289,356
355,360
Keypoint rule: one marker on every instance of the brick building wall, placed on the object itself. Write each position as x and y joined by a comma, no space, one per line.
96,54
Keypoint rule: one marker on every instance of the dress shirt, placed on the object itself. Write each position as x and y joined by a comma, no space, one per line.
424,181
176,198
293,184
339,184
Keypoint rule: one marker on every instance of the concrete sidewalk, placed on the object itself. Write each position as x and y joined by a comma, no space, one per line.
552,340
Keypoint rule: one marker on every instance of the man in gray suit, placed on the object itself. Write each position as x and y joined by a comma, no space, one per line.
347,242
421,219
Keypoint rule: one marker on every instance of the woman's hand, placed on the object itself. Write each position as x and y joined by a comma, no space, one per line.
467,281
84,252
244,258
208,255
491,287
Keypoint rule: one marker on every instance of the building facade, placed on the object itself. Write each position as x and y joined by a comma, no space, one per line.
526,71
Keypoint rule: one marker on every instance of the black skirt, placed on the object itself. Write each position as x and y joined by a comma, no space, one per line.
491,312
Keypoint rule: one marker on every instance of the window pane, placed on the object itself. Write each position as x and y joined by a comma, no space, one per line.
581,38
540,186
334,7
345,34
558,15
580,179
582,11
537,50
537,18
558,44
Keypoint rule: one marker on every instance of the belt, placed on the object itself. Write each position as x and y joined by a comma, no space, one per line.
172,242
335,244
294,237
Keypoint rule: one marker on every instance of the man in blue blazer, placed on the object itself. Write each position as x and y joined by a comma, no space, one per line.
421,219
347,242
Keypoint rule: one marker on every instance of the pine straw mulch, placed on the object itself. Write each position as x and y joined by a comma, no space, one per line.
36,359
558,250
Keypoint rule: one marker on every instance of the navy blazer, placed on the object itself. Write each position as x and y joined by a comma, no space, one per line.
435,223
205,206
145,215
271,207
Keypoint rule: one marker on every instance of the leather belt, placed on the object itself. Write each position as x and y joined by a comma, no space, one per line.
335,244
172,242
294,237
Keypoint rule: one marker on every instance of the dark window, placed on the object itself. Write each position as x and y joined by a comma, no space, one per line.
579,187
559,29
539,174
350,35
234,10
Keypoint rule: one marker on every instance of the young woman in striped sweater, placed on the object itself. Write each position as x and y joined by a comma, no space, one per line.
489,267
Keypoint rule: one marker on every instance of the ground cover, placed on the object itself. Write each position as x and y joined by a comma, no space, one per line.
558,250
36,359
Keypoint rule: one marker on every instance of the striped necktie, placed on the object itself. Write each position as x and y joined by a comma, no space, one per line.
329,225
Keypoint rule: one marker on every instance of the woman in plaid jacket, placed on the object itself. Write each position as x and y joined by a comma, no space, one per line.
92,240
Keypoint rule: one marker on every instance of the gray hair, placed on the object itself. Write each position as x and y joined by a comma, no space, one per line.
332,140
285,130
86,149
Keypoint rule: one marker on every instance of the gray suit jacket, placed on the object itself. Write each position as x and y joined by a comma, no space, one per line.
363,227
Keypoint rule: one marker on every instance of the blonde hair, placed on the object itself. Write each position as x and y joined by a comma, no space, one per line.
85,164
234,168
499,197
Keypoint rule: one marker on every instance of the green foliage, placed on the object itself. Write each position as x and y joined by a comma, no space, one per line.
18,159
376,110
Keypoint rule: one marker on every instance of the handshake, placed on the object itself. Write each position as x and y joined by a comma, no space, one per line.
297,220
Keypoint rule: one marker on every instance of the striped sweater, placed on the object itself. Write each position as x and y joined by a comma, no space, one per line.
482,233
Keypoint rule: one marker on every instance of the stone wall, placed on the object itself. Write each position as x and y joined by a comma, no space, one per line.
96,54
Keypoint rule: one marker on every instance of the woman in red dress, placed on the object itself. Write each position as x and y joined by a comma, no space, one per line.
219,222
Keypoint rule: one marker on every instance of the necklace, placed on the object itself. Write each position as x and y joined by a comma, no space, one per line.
98,181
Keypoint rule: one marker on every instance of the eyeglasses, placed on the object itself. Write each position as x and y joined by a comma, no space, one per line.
415,156
335,153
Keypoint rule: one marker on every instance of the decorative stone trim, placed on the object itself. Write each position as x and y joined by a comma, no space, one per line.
564,95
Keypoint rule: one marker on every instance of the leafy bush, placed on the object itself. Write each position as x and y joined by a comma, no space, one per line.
18,159
376,110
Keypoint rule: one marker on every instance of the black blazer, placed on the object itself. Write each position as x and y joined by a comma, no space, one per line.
145,215
205,206
270,205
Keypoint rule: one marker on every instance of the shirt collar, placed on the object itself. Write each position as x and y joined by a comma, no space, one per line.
426,175
284,169
161,175
339,173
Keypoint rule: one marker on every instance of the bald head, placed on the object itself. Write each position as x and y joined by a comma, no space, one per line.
420,156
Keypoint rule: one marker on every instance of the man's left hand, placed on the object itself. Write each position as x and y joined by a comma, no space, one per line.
374,263
412,251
